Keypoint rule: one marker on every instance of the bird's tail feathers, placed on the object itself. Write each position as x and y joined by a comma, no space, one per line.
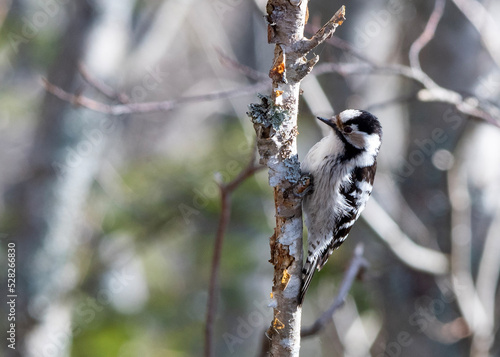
324,257
307,274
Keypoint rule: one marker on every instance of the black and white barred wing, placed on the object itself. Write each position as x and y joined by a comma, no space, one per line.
356,192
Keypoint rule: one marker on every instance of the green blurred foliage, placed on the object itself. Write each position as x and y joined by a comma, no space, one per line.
171,210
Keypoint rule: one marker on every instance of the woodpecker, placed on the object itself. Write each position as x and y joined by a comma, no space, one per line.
342,167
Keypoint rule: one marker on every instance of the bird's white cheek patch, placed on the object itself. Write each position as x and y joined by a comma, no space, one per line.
372,144
364,186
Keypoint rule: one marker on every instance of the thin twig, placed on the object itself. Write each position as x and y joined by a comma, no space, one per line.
245,70
427,35
76,100
406,98
102,87
431,91
347,47
306,45
357,264
225,192
147,107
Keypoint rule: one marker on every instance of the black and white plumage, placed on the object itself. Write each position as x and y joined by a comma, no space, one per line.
342,166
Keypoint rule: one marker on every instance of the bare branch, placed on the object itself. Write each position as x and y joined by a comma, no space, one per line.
245,70
358,263
396,100
469,106
427,35
214,274
147,107
102,87
226,191
307,45
431,92
415,256
76,100
489,266
471,307
484,23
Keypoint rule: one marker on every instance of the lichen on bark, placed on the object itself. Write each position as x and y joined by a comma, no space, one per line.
275,123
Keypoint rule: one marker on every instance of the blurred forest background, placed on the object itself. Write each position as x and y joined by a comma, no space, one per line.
114,216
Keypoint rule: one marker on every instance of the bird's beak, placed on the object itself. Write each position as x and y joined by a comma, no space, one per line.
326,121
334,122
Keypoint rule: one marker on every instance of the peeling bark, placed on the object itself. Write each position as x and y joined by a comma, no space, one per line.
275,122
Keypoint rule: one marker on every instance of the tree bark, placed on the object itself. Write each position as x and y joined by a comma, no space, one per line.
275,122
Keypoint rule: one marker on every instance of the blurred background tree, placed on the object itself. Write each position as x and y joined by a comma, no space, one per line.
114,217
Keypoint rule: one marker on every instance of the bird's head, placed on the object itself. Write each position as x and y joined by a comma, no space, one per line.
357,128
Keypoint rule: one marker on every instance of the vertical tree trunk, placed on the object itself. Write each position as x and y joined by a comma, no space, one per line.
286,242
276,133
275,121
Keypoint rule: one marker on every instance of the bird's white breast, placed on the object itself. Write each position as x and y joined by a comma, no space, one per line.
327,146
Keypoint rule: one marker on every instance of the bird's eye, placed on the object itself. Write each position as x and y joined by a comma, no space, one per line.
347,129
